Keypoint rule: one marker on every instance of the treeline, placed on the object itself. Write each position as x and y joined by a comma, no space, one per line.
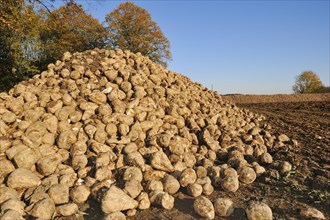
32,36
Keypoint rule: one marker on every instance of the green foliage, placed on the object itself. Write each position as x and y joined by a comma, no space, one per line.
6,59
131,27
307,82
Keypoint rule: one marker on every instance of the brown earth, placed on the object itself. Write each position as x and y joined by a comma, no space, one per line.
248,99
308,185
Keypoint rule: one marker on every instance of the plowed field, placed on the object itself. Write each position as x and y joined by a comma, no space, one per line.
309,182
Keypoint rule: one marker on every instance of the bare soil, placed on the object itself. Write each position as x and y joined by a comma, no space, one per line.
248,99
307,185
309,123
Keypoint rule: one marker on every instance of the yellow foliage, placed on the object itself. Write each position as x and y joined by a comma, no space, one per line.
69,28
307,82
131,28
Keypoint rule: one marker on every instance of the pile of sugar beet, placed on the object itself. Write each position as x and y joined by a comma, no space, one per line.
114,127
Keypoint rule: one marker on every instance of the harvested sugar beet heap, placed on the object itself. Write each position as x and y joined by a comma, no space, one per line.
115,127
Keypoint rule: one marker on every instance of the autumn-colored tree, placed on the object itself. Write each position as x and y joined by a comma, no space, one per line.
30,39
69,28
10,12
324,89
19,41
307,82
131,28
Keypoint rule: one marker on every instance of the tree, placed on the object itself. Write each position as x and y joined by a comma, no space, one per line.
32,38
131,28
69,28
307,82
324,89
19,41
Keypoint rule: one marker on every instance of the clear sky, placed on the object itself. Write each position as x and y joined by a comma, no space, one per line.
249,47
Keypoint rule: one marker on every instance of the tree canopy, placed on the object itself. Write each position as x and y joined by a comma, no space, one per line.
307,82
19,41
131,27
69,28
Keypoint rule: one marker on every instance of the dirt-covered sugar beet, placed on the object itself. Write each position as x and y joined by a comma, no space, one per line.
114,128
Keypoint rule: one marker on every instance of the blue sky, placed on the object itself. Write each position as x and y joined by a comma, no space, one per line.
249,47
